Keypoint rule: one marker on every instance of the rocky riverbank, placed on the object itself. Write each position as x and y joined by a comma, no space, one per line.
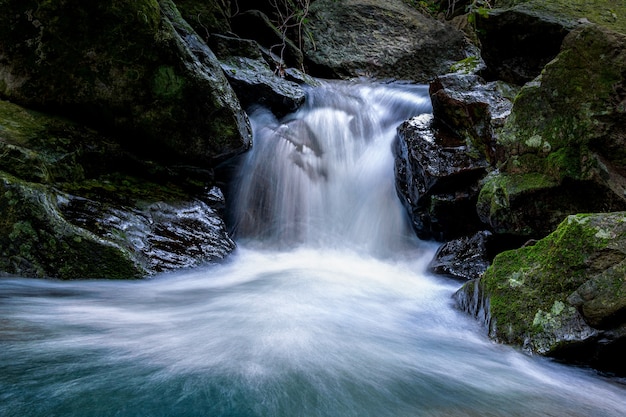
118,121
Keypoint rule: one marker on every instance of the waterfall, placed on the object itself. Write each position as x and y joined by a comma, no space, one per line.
326,309
321,176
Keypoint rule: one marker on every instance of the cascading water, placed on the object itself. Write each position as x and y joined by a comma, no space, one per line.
323,176
325,309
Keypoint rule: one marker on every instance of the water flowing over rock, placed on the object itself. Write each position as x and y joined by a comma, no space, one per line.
351,38
564,296
326,185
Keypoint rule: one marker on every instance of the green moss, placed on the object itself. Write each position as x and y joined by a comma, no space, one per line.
608,13
528,287
167,83
35,240
468,65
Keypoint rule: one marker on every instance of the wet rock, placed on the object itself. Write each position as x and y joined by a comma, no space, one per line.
36,240
75,205
351,38
161,236
250,75
471,108
465,258
437,180
441,159
563,296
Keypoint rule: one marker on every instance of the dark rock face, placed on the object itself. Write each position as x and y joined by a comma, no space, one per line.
161,236
441,159
437,180
565,296
464,258
517,43
75,205
252,78
86,197
351,38
136,66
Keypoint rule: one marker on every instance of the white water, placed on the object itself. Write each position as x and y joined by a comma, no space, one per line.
325,310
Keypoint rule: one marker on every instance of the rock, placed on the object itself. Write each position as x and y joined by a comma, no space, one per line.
441,159
465,258
36,241
437,180
517,43
561,150
135,66
254,24
519,37
206,17
160,236
254,82
565,296
472,109
383,39
75,205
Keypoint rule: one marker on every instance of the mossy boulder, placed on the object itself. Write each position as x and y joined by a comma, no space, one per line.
136,66
561,151
564,296
519,37
74,204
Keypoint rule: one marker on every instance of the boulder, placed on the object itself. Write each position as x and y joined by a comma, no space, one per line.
252,79
464,258
519,37
564,296
382,39
442,158
437,180
135,66
74,204
561,151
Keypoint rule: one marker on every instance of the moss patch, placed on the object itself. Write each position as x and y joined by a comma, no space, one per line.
528,288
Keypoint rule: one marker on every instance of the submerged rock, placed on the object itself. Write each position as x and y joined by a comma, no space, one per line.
565,296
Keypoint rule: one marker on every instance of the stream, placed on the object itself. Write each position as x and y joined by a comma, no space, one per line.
326,308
